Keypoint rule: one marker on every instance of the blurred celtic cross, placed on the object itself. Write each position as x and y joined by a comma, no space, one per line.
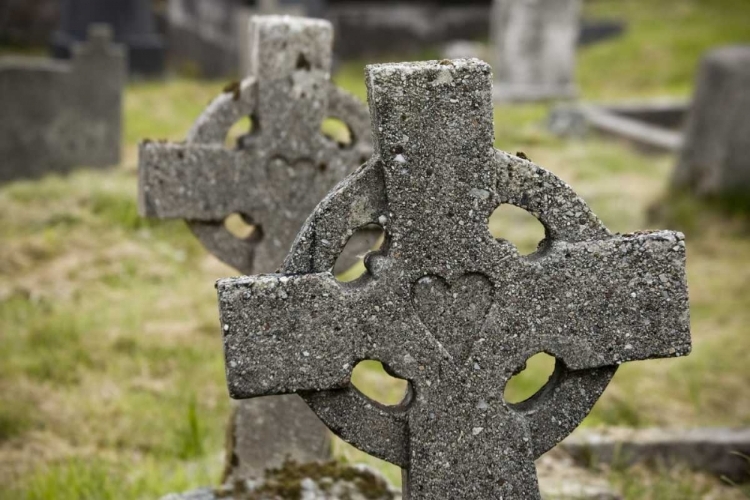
271,178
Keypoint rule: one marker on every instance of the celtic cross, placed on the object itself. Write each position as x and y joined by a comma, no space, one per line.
448,307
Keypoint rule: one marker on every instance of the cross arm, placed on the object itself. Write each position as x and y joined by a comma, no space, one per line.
190,181
607,302
285,334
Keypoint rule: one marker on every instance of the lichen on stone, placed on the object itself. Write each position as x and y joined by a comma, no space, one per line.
295,481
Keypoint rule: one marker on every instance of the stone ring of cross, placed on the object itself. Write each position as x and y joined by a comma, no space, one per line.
445,305
212,127
281,167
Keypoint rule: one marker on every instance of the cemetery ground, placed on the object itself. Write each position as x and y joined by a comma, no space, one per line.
111,369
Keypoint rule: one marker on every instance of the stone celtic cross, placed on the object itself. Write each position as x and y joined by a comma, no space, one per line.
280,170
448,307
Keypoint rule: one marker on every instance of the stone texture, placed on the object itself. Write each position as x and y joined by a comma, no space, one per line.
60,115
559,479
714,450
445,305
534,43
244,15
310,481
267,431
132,22
273,178
715,160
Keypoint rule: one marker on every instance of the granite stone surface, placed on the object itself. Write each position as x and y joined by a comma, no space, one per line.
446,306
303,481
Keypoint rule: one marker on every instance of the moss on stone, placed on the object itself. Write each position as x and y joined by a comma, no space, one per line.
285,482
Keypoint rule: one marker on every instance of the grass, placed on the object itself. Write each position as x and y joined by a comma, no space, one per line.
111,372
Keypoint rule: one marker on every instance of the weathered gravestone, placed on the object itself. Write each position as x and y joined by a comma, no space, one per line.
203,33
273,179
59,115
131,20
715,159
211,36
445,305
534,43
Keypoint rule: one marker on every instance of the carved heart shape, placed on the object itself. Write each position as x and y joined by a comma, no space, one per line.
454,313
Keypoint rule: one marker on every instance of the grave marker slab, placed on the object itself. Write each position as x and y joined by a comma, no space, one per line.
534,43
203,34
445,305
274,178
715,159
59,115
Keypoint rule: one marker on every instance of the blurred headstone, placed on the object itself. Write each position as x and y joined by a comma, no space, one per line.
534,44
447,306
372,27
58,115
203,36
132,22
715,159
211,37
272,177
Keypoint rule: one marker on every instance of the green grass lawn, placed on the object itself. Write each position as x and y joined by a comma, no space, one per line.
111,371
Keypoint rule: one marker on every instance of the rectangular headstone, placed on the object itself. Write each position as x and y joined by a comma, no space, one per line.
715,159
534,43
59,115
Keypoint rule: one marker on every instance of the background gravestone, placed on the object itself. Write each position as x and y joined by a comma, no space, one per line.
273,178
210,37
131,20
58,115
446,306
715,159
202,35
534,43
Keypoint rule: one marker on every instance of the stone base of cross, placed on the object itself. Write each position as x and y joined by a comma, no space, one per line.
448,307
